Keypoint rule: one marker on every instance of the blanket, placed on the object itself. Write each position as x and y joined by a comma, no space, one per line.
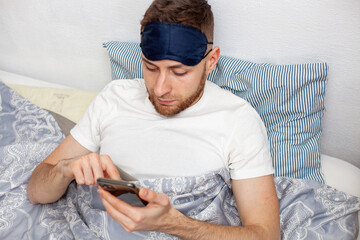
308,209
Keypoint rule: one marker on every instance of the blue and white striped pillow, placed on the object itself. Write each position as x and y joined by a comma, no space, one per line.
125,59
288,98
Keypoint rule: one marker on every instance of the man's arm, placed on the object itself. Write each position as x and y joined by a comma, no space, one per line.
69,161
256,199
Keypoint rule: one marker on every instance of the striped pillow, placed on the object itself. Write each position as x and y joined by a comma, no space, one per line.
288,98
290,101
125,59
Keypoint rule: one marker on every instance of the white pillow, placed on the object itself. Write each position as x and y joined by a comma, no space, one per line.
70,103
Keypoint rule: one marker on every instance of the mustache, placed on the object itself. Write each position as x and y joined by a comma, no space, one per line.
166,96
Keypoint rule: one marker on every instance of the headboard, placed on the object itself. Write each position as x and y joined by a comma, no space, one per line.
60,41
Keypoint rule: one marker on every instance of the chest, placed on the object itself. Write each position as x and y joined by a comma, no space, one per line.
165,147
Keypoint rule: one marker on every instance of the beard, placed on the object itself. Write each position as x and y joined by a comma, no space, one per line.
172,110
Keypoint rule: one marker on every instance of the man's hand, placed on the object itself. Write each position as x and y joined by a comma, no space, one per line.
157,214
86,169
258,209
67,162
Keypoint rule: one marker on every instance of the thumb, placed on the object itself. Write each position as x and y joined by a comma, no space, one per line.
151,196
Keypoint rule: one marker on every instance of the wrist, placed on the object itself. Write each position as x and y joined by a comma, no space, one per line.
182,226
47,184
63,171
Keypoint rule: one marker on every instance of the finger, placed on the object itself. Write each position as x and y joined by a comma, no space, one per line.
109,167
116,215
151,196
111,205
121,206
95,163
87,170
78,172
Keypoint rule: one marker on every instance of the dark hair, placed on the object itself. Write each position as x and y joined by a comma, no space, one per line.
196,13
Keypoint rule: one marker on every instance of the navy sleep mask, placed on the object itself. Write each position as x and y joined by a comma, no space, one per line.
172,41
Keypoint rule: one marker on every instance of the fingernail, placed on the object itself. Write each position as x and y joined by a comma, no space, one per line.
143,192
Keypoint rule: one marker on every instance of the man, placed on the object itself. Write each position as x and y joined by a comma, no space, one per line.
172,123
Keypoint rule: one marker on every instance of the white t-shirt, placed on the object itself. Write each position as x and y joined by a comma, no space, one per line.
220,131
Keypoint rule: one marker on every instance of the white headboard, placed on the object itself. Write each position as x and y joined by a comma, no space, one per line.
60,41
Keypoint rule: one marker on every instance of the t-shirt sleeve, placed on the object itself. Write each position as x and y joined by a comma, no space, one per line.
249,149
87,130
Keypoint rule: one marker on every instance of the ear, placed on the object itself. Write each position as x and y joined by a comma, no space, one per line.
212,59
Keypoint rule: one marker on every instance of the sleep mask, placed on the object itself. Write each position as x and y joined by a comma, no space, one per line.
172,41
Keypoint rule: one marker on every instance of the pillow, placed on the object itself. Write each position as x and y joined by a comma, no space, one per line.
125,60
65,124
288,98
69,103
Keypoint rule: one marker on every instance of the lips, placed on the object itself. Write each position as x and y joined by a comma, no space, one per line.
165,101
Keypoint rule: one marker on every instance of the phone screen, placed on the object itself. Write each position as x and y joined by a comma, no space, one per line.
124,190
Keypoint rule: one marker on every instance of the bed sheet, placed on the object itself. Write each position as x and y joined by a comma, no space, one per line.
341,175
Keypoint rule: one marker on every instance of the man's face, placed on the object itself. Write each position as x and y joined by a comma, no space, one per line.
173,86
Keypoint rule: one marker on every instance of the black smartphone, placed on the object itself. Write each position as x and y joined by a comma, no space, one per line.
126,191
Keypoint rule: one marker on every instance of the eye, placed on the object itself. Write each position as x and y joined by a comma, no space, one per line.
179,73
151,69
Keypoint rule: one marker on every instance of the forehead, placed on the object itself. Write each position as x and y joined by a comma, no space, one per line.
166,63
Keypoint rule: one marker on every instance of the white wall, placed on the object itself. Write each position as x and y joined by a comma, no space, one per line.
60,41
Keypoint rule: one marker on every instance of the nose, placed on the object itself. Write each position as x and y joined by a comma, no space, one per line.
162,84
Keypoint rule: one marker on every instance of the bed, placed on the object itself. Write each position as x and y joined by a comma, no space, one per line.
56,56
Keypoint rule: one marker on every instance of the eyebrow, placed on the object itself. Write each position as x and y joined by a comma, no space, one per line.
173,66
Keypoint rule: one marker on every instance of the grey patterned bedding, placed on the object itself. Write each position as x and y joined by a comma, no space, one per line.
308,210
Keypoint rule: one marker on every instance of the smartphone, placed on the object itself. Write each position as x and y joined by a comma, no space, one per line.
126,191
